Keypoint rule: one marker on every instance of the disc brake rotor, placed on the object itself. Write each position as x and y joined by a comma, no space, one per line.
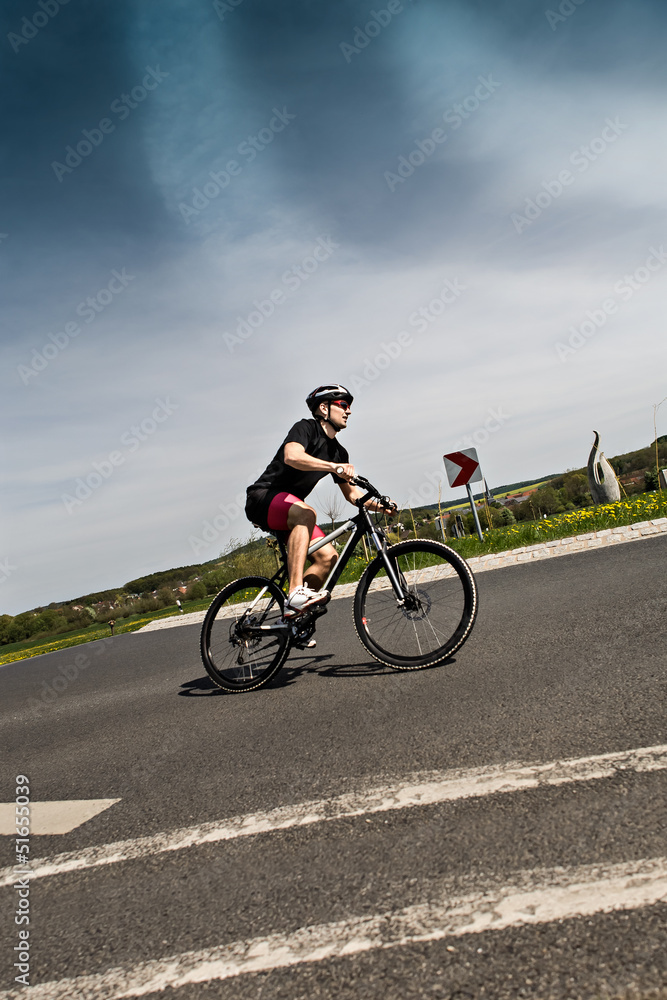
417,606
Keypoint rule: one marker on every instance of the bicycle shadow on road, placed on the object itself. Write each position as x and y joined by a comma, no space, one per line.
204,686
305,664
199,687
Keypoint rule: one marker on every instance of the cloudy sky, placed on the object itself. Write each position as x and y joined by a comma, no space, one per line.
456,208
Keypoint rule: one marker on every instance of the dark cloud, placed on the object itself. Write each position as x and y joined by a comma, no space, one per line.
357,114
62,83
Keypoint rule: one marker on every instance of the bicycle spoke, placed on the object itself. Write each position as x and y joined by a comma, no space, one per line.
236,655
435,615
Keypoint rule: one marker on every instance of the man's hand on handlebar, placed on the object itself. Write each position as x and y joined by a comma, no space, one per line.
383,505
345,472
373,498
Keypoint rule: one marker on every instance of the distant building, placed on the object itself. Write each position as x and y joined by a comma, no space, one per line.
515,497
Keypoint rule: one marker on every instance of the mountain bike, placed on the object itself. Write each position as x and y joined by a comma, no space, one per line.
414,606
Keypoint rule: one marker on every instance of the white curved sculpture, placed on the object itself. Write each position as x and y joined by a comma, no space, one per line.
602,480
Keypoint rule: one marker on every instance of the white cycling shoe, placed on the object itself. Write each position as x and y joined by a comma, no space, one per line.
303,599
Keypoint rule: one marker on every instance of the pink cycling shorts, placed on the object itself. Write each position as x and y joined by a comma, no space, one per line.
278,511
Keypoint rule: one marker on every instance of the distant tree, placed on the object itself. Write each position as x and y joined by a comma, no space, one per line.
429,529
49,621
215,581
547,501
651,480
196,591
575,485
525,511
165,597
76,618
6,621
502,516
333,506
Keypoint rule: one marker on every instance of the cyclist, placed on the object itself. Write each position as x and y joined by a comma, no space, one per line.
276,502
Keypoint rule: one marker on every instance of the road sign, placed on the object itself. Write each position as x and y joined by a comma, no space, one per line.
462,467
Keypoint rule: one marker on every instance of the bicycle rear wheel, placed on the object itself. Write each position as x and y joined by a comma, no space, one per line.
438,612
236,658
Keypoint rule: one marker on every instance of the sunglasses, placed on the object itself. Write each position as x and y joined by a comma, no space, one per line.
343,403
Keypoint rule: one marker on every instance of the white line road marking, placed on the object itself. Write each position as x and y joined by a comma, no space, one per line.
533,897
53,817
416,790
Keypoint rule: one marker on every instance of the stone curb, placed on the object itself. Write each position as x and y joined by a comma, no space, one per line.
566,546
493,560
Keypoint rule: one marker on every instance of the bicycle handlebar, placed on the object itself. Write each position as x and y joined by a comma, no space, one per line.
371,492
360,481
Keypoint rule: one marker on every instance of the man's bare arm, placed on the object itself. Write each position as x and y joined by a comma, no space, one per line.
296,456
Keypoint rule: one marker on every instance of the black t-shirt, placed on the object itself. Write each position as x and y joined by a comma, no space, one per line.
281,478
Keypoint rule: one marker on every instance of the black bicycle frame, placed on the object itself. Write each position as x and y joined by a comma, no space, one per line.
363,525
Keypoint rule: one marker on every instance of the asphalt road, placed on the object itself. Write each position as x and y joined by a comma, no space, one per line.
567,660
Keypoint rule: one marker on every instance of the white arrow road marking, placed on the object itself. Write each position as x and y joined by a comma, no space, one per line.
53,817
416,790
533,897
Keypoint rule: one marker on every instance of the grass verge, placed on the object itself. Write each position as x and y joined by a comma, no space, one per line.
31,647
645,507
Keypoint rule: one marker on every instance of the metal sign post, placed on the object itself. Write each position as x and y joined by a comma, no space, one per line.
462,470
474,513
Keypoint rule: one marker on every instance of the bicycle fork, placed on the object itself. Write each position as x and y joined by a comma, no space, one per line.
396,578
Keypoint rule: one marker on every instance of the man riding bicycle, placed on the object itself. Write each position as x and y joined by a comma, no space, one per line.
276,502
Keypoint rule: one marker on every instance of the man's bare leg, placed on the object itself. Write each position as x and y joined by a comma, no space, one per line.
301,520
323,562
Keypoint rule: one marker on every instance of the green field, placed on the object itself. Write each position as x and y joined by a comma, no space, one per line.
35,647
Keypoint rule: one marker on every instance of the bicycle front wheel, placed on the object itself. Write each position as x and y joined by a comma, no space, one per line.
237,658
437,612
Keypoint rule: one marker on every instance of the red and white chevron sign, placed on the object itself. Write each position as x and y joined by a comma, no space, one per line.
462,467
